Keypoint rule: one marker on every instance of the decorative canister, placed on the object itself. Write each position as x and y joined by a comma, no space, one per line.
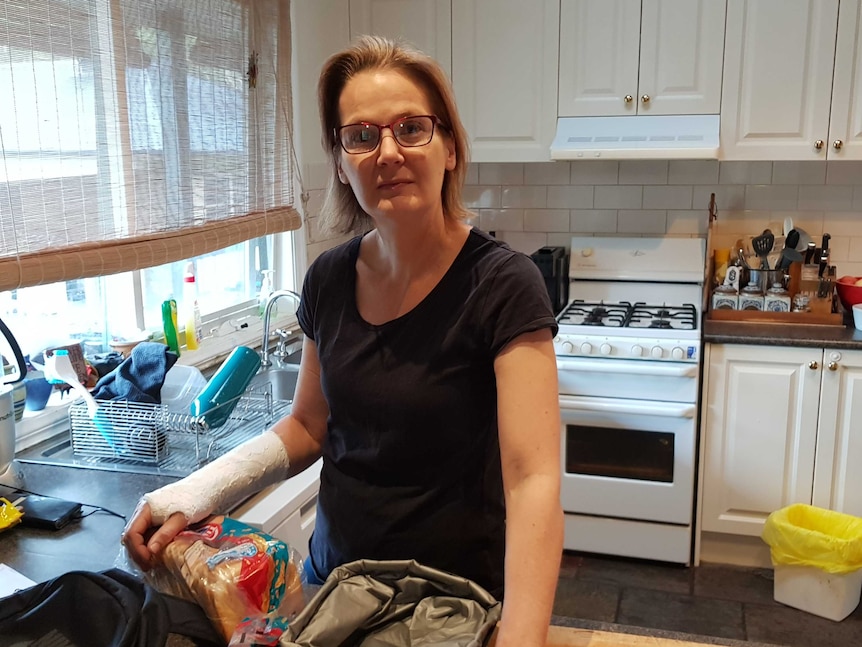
750,297
777,299
724,297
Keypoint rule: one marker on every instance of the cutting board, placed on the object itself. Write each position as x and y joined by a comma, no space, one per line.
574,637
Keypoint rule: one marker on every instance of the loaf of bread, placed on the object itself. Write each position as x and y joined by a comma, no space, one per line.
235,572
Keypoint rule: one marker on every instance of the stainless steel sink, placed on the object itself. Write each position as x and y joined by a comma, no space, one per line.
280,379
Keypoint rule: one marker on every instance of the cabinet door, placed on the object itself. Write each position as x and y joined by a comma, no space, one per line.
845,125
837,477
599,50
777,78
427,24
760,428
504,71
681,57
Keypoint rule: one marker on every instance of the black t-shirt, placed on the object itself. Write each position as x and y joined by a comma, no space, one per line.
411,459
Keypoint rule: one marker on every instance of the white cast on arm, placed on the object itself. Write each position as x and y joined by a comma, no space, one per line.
241,472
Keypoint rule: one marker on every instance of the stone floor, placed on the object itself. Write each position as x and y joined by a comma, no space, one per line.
726,602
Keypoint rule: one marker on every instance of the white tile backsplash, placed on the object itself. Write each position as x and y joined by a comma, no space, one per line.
643,172
546,173
595,172
546,220
570,197
642,221
618,197
532,205
667,197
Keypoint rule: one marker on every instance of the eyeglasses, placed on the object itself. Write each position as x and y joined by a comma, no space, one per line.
408,131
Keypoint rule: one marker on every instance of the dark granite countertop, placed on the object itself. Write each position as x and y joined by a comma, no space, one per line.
772,334
92,543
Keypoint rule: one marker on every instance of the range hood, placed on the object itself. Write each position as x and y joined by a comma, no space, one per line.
637,137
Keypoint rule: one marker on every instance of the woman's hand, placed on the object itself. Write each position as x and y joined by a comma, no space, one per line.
144,543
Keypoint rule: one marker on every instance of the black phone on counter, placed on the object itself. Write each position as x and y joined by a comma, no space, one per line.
45,511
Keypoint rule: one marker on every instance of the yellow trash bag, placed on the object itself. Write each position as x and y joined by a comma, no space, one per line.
810,536
9,514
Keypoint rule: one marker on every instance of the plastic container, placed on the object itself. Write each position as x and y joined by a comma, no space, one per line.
181,386
829,595
216,402
857,316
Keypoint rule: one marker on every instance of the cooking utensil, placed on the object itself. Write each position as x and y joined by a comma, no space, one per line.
789,254
824,255
762,245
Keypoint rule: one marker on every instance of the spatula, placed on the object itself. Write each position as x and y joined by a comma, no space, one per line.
762,245
789,254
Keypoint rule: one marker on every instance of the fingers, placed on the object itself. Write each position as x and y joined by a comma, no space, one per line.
143,545
176,523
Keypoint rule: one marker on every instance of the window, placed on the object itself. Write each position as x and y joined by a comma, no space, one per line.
135,135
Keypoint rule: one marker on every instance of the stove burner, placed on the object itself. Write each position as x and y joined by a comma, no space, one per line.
683,317
583,313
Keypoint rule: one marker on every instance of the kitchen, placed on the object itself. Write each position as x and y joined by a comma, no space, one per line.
532,202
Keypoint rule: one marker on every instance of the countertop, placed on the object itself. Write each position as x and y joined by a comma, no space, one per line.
782,334
92,543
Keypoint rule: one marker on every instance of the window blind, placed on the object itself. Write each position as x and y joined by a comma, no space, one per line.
139,132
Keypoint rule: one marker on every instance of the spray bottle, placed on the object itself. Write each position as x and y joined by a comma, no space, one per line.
266,288
191,310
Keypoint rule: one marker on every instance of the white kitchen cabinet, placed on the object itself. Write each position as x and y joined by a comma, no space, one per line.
286,510
427,24
778,429
625,57
792,80
504,72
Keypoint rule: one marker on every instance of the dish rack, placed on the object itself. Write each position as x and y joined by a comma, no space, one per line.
154,434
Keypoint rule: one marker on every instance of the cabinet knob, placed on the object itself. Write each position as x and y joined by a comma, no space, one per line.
628,98
818,144
832,366
645,98
813,365
837,144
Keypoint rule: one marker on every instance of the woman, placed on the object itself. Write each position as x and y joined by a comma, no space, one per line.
428,378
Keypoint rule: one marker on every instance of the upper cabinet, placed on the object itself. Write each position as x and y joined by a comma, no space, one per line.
424,23
504,71
626,57
792,81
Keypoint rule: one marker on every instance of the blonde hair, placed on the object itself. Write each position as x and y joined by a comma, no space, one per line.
341,211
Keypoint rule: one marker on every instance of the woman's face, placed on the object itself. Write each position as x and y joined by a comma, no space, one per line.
393,180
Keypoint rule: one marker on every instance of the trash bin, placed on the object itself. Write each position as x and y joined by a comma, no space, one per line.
817,555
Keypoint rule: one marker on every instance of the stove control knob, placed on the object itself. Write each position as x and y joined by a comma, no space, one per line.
677,353
656,351
586,252
568,347
637,350
605,349
586,348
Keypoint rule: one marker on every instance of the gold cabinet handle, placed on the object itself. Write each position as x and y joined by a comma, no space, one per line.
645,98
813,365
628,98
818,144
832,366
837,144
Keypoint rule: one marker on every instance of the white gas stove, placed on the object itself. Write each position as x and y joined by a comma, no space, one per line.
628,362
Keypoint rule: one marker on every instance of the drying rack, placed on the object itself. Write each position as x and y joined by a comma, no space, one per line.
135,433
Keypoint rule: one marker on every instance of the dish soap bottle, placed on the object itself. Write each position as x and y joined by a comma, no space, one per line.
169,323
266,288
191,310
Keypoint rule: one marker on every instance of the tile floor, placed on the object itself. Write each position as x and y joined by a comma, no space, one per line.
725,602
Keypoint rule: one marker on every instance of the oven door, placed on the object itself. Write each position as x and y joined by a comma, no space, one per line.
629,459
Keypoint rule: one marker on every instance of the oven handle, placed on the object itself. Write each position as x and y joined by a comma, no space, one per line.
635,367
632,407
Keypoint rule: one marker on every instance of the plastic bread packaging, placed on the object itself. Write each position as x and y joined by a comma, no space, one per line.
236,573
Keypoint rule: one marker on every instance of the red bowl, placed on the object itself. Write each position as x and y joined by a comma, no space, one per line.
849,294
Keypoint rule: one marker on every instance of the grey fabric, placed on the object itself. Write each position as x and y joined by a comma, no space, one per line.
397,603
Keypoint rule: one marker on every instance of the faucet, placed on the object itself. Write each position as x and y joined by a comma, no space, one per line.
273,297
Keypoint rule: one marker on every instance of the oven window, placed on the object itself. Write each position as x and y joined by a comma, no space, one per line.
621,453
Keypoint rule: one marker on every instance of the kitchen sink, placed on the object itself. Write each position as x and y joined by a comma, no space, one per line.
189,450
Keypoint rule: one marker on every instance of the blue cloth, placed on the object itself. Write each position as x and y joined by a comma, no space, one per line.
139,378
